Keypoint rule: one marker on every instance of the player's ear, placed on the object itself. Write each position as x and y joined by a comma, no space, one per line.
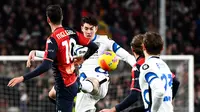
48,20
96,27
61,18
82,28
161,50
143,47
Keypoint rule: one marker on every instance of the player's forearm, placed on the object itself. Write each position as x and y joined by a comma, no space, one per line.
125,56
157,94
45,66
92,48
128,101
175,86
39,54
157,101
121,53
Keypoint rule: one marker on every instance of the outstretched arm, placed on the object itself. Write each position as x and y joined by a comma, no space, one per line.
45,66
92,48
32,55
128,101
120,52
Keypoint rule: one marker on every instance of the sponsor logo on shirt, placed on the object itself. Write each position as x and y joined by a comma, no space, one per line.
65,33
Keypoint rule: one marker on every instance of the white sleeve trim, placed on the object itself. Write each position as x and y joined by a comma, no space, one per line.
39,54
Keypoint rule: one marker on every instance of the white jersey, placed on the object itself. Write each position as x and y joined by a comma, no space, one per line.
156,85
90,66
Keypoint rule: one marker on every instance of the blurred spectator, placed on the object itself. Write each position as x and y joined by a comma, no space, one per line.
23,98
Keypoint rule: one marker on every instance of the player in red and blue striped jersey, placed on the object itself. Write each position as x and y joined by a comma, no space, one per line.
58,57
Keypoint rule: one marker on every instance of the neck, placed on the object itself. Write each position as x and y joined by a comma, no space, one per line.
136,56
53,27
148,55
93,37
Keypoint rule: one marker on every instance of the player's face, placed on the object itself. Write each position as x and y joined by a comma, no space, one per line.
88,30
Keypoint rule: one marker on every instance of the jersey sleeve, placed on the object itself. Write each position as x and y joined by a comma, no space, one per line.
51,49
82,40
39,54
155,83
120,52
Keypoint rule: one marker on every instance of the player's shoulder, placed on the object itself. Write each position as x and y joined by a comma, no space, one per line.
146,67
69,29
51,39
102,38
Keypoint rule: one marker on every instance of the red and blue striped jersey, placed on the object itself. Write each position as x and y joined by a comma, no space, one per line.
59,49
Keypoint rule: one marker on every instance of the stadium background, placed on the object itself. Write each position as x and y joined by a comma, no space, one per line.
23,27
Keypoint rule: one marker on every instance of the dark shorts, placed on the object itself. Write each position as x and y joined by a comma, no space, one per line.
65,97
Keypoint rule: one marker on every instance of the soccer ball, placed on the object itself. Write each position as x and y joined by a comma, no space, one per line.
108,61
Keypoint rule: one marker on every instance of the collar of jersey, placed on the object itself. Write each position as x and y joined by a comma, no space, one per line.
58,28
154,56
95,37
140,57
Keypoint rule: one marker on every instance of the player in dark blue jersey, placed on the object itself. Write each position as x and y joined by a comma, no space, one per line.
58,56
135,93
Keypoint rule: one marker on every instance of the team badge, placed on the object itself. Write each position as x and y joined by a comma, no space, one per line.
145,66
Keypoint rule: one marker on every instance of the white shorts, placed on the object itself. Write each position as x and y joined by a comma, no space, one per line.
86,101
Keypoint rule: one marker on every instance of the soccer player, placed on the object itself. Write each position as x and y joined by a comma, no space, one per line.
58,56
155,76
90,73
90,68
135,93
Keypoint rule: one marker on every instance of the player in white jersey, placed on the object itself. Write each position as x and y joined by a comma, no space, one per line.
155,76
90,73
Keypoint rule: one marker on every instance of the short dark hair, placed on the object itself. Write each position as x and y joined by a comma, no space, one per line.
90,20
136,44
54,12
153,43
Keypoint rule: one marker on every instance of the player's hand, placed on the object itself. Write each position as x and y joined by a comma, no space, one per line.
15,81
31,57
108,110
78,60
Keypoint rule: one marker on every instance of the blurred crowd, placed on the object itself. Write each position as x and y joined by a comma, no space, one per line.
23,25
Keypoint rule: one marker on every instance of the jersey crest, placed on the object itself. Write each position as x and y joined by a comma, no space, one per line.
145,66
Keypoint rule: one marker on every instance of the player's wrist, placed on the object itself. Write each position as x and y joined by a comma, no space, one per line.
22,78
113,109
